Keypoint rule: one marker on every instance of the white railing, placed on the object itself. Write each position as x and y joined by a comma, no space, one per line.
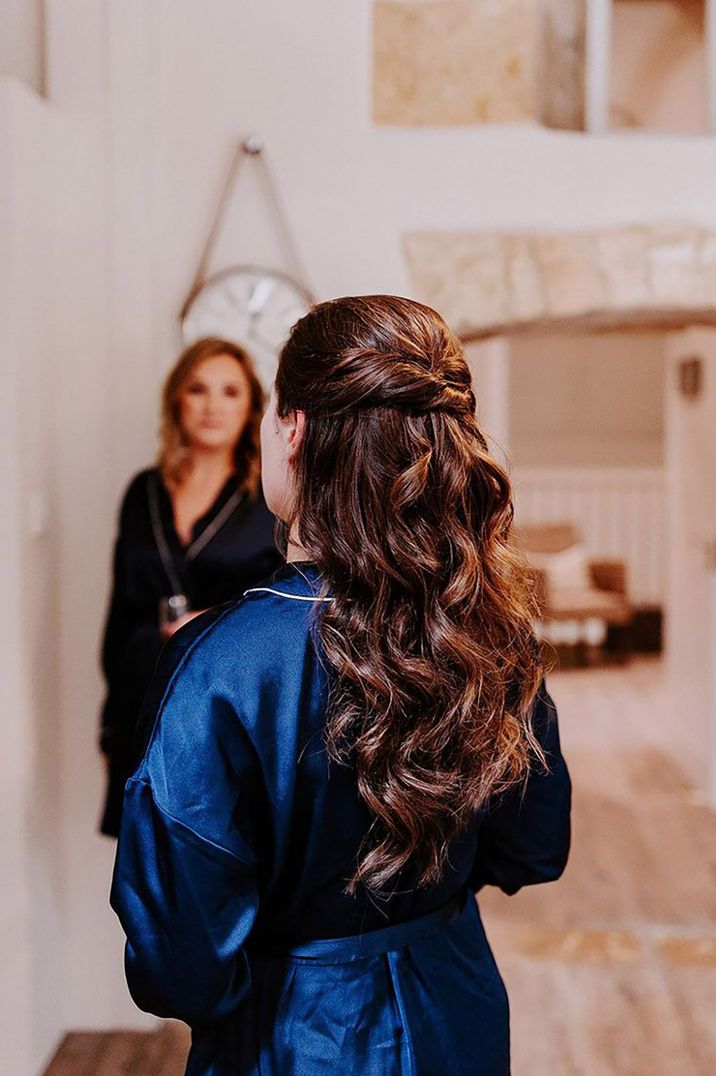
619,512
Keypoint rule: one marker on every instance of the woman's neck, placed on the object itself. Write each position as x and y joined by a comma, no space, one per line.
294,550
210,467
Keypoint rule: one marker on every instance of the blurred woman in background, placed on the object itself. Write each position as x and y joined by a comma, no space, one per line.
339,759
194,531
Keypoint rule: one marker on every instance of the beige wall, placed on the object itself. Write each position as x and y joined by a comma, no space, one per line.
587,400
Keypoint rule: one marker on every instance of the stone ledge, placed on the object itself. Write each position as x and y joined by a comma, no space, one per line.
488,282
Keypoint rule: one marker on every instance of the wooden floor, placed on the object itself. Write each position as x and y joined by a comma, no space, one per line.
123,1053
612,970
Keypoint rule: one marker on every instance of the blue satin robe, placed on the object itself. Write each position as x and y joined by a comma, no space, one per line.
238,837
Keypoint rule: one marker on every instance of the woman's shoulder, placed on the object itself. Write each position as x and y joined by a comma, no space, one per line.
266,625
266,616
136,491
142,479
231,659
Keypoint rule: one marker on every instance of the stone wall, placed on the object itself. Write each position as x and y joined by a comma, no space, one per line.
450,62
485,282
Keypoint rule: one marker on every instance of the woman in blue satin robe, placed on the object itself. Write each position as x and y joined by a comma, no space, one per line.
337,761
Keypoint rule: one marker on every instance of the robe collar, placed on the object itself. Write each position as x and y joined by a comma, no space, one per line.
299,580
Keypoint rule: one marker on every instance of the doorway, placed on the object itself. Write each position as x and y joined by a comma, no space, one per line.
615,432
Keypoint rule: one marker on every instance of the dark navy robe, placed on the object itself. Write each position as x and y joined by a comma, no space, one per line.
237,841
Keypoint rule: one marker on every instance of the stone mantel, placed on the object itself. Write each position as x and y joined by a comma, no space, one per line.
643,275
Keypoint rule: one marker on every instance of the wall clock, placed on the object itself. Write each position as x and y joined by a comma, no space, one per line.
252,305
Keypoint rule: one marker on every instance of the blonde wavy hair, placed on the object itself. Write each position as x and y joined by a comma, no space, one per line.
174,452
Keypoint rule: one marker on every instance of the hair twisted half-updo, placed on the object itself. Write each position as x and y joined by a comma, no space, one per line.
429,641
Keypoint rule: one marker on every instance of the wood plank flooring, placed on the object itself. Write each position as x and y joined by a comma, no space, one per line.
123,1053
612,970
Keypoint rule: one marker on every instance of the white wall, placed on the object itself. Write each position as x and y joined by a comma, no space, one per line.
22,42
150,100
691,576
56,511
32,762
15,761
186,88
89,372
587,400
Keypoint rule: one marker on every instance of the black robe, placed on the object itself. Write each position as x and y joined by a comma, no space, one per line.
238,555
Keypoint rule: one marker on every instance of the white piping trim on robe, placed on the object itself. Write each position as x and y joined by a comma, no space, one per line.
281,594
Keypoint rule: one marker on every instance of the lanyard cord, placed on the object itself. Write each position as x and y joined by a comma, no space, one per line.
159,536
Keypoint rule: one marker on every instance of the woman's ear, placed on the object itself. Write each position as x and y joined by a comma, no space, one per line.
295,433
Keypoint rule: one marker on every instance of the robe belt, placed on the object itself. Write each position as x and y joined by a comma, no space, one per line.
374,942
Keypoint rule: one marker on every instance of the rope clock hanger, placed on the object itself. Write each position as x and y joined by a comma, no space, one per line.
252,305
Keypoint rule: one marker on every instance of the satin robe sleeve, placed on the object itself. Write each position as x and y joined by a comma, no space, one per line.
185,879
524,837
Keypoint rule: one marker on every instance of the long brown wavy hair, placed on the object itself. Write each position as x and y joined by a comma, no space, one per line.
174,452
434,665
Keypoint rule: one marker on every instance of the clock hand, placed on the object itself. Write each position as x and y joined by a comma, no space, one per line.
258,297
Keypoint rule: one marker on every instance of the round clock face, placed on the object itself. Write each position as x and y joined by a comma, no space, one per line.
251,306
